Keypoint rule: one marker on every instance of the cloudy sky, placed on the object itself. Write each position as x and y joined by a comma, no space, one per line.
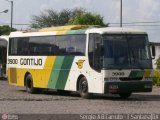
141,14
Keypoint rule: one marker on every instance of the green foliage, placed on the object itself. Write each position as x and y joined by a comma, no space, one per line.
156,75
66,17
50,18
5,30
158,63
156,78
88,19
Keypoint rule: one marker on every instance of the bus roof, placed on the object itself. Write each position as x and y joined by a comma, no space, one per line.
115,30
4,38
67,28
76,29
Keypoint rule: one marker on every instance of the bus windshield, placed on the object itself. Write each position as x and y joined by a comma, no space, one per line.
126,52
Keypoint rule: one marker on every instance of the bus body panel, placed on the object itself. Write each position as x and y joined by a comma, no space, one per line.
56,72
127,80
3,55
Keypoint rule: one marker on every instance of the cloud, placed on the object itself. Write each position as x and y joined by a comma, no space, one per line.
133,10
143,11
149,9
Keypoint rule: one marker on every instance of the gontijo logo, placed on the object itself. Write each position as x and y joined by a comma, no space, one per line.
26,61
36,62
80,63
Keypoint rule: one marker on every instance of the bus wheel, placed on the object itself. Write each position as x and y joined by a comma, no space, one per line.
29,84
125,95
83,88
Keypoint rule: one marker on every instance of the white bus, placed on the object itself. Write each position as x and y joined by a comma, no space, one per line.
76,58
3,55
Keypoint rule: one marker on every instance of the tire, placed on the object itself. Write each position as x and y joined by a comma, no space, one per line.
29,84
125,95
83,88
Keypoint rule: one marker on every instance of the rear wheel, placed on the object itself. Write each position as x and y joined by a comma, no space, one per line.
125,95
83,88
29,84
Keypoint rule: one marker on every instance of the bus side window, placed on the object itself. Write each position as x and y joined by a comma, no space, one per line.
19,46
77,45
13,43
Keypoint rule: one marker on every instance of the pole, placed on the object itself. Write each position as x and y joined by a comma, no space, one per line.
121,13
11,26
11,15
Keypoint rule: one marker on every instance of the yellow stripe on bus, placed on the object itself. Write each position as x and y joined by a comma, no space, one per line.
40,76
61,32
48,69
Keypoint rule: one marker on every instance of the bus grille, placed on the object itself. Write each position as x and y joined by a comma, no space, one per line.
13,77
130,79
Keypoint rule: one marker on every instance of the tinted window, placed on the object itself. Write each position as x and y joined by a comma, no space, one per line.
19,46
42,45
71,44
48,45
63,43
129,51
77,45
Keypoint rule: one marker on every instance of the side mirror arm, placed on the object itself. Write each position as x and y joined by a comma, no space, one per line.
153,52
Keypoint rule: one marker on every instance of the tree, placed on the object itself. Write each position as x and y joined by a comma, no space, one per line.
88,18
66,17
5,30
156,73
50,18
158,63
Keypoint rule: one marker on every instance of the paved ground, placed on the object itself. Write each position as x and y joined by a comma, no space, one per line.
14,100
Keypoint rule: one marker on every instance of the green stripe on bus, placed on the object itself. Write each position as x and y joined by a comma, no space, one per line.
60,72
134,74
65,69
55,72
76,32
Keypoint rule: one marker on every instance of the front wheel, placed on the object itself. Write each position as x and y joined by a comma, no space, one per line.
125,95
83,88
29,84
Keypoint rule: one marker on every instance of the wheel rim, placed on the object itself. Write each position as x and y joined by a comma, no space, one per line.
84,86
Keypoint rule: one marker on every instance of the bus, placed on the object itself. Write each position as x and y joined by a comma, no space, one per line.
81,58
3,56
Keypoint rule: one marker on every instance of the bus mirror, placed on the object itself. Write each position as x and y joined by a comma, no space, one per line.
153,52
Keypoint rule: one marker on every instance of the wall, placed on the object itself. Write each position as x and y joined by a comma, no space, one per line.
157,51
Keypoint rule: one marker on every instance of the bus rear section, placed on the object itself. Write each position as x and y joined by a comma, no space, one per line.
3,56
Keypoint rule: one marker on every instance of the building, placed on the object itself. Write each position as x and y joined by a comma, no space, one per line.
157,52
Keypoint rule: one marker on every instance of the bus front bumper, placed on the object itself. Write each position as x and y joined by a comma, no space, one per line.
127,86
